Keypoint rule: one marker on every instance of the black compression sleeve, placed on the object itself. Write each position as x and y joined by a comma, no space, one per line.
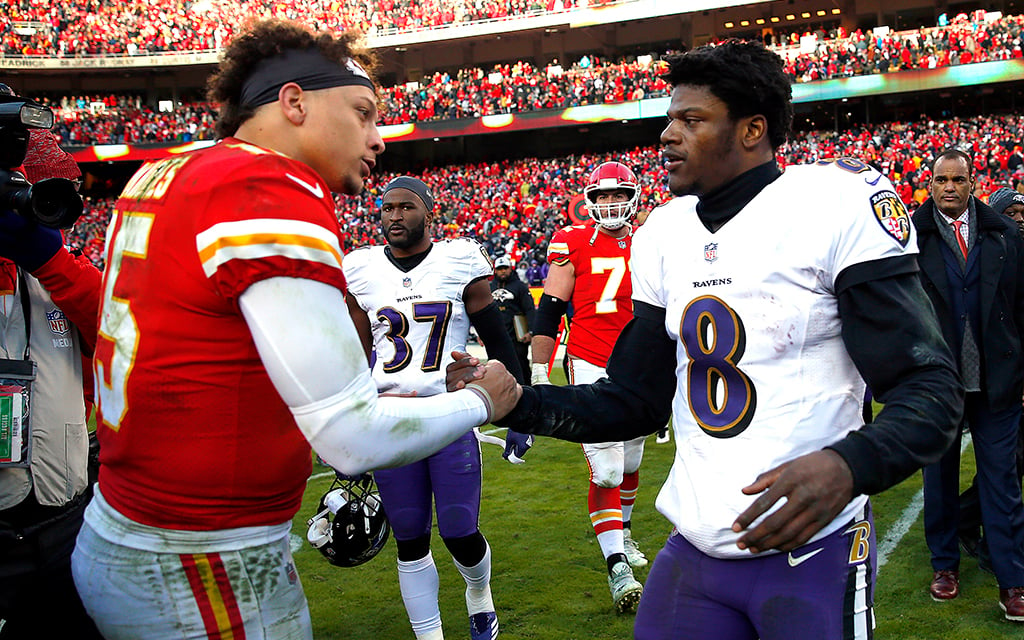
634,400
893,336
490,326
549,314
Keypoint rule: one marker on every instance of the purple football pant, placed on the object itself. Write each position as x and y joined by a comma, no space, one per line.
828,594
451,477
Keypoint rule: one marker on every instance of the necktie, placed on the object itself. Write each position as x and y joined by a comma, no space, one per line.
959,238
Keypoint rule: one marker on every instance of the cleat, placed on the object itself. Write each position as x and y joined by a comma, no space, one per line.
634,555
483,626
663,437
626,591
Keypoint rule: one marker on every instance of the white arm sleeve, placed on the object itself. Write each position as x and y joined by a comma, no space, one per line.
311,351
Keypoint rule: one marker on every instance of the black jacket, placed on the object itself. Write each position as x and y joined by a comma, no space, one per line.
513,298
1001,297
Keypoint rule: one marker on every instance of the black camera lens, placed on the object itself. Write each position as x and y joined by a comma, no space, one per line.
53,202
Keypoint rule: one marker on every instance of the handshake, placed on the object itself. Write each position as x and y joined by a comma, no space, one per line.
490,381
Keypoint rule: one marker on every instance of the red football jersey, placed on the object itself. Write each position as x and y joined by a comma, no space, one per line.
601,295
193,434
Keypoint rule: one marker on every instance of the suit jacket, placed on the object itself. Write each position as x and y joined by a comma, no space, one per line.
1000,281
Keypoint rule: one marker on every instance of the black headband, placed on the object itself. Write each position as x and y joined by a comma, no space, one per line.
415,185
307,68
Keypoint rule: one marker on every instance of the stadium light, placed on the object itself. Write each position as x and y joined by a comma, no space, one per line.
805,15
744,23
759,21
790,16
775,19
729,25
836,11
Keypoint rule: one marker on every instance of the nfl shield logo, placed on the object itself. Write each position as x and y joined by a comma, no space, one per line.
406,282
711,251
59,324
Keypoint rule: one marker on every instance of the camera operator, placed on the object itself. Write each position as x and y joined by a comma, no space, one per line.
49,302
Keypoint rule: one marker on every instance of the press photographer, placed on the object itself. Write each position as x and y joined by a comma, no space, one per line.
48,316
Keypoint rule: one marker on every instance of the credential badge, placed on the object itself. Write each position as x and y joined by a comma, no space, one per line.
892,215
711,251
59,324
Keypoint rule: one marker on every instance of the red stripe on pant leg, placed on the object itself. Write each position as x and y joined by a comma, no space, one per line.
601,499
195,581
228,596
627,490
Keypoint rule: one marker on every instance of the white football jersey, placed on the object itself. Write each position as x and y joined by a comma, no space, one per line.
418,316
763,374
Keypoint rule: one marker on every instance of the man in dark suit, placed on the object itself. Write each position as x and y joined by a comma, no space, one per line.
1011,204
972,268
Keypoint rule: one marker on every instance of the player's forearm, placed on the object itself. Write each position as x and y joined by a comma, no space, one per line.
357,431
322,375
541,348
635,399
490,326
600,412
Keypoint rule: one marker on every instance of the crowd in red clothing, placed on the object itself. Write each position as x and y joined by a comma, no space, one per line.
964,40
92,120
518,87
521,87
130,27
512,207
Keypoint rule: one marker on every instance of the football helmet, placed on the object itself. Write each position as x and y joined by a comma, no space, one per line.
611,176
350,526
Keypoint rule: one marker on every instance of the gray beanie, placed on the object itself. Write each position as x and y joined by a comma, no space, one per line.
415,185
1001,199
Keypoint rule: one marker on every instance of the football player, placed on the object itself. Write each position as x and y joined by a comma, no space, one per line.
225,351
590,270
757,321
412,301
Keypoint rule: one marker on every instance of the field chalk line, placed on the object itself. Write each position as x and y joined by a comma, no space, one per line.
900,528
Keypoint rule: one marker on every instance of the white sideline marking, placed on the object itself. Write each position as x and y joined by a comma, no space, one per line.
900,528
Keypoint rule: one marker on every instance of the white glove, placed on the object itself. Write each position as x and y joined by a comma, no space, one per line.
539,373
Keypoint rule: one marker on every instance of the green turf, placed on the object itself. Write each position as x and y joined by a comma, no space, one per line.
549,578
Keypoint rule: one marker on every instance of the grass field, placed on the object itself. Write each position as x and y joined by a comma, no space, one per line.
549,577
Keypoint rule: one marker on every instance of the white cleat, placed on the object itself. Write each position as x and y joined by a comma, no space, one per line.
635,556
626,591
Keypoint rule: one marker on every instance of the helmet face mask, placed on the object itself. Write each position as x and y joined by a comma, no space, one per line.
350,526
610,177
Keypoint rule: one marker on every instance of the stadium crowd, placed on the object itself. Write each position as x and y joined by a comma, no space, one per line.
130,27
964,40
512,207
520,87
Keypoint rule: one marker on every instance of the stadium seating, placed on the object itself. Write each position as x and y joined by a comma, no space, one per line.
516,205
128,27
520,86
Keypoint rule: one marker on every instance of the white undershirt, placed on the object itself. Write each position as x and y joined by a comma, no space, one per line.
314,358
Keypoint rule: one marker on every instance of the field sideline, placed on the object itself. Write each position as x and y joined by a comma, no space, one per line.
548,575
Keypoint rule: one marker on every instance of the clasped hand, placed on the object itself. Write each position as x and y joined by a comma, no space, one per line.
492,378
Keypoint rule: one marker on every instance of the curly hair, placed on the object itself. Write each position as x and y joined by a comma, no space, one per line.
746,76
266,39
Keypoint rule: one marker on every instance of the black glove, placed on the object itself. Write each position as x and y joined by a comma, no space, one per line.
26,243
516,446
